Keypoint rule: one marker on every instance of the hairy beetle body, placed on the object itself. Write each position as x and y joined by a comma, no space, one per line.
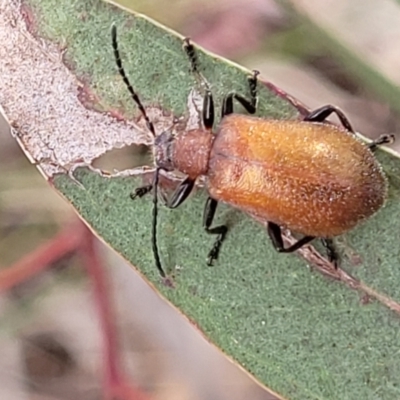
313,178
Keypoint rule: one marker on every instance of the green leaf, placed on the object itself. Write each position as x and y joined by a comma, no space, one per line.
302,334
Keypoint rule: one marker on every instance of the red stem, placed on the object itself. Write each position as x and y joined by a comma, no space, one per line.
116,385
78,238
67,241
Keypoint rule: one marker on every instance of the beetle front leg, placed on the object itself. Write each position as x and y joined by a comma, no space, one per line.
181,193
192,55
322,113
227,108
178,197
275,233
208,216
141,191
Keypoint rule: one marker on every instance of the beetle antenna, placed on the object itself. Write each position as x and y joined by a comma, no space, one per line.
150,126
122,72
154,224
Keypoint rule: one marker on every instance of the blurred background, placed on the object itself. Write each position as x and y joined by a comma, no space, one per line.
320,52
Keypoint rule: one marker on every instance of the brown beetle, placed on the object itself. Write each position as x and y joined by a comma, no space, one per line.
314,178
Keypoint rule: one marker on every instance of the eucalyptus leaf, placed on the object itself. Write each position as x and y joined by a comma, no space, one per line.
298,332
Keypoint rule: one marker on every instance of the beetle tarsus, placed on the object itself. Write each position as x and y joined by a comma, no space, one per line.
192,55
383,139
331,252
214,252
208,216
253,80
141,191
249,105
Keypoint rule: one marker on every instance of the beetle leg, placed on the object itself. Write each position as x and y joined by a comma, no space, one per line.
181,193
253,81
383,139
208,216
322,113
208,111
249,105
194,62
275,233
177,198
141,191
227,108
331,252
192,55
208,103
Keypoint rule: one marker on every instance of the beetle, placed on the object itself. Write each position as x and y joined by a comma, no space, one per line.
312,177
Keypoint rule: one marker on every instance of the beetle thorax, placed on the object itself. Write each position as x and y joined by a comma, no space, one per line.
163,151
187,152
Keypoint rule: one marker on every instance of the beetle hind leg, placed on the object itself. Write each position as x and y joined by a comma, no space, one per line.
275,234
383,139
322,113
331,251
220,231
